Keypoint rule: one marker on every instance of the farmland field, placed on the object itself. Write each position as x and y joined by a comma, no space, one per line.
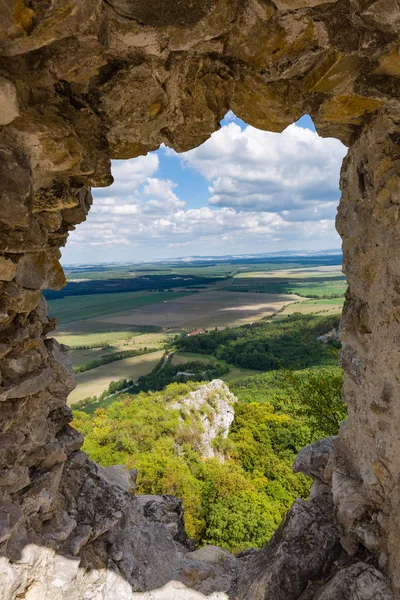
95,381
209,309
321,271
315,282
139,341
77,308
319,306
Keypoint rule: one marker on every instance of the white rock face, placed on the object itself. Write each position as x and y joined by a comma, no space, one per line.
213,403
333,334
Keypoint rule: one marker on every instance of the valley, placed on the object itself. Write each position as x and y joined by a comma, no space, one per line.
168,364
113,333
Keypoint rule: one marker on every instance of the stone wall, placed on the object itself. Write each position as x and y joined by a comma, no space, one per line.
84,81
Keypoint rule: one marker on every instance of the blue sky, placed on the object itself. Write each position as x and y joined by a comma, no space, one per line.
242,191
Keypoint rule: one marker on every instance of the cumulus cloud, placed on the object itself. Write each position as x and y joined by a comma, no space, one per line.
249,169
267,191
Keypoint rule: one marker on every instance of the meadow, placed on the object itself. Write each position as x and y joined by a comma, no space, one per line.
233,373
321,306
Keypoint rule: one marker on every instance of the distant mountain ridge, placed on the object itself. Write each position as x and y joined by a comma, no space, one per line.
218,258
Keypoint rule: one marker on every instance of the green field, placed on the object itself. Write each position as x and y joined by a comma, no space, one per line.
319,306
234,372
77,308
138,341
92,332
312,282
306,286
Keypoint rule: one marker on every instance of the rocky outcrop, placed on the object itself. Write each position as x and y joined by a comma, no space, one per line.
213,405
333,334
84,81
358,581
167,510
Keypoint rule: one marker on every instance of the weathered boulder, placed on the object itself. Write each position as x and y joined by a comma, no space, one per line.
358,582
168,511
313,459
303,548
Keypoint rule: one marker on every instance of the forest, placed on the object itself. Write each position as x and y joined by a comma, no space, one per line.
135,284
238,502
269,345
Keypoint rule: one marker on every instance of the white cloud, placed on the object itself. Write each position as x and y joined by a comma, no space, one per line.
266,191
250,169
129,174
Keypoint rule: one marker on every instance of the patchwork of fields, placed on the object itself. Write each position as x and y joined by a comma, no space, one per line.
96,325
95,381
313,282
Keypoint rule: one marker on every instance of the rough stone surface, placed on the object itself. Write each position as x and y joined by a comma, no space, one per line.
303,548
85,81
313,459
168,511
8,102
360,581
214,405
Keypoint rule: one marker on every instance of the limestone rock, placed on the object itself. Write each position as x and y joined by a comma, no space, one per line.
313,459
213,555
7,269
158,14
304,546
119,475
31,271
29,385
178,591
295,4
168,511
8,102
16,189
359,582
213,403
333,334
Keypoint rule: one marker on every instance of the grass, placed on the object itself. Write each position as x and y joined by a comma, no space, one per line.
307,286
95,381
90,332
77,308
147,340
234,372
103,403
328,306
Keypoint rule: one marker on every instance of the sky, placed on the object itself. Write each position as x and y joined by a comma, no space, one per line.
243,191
